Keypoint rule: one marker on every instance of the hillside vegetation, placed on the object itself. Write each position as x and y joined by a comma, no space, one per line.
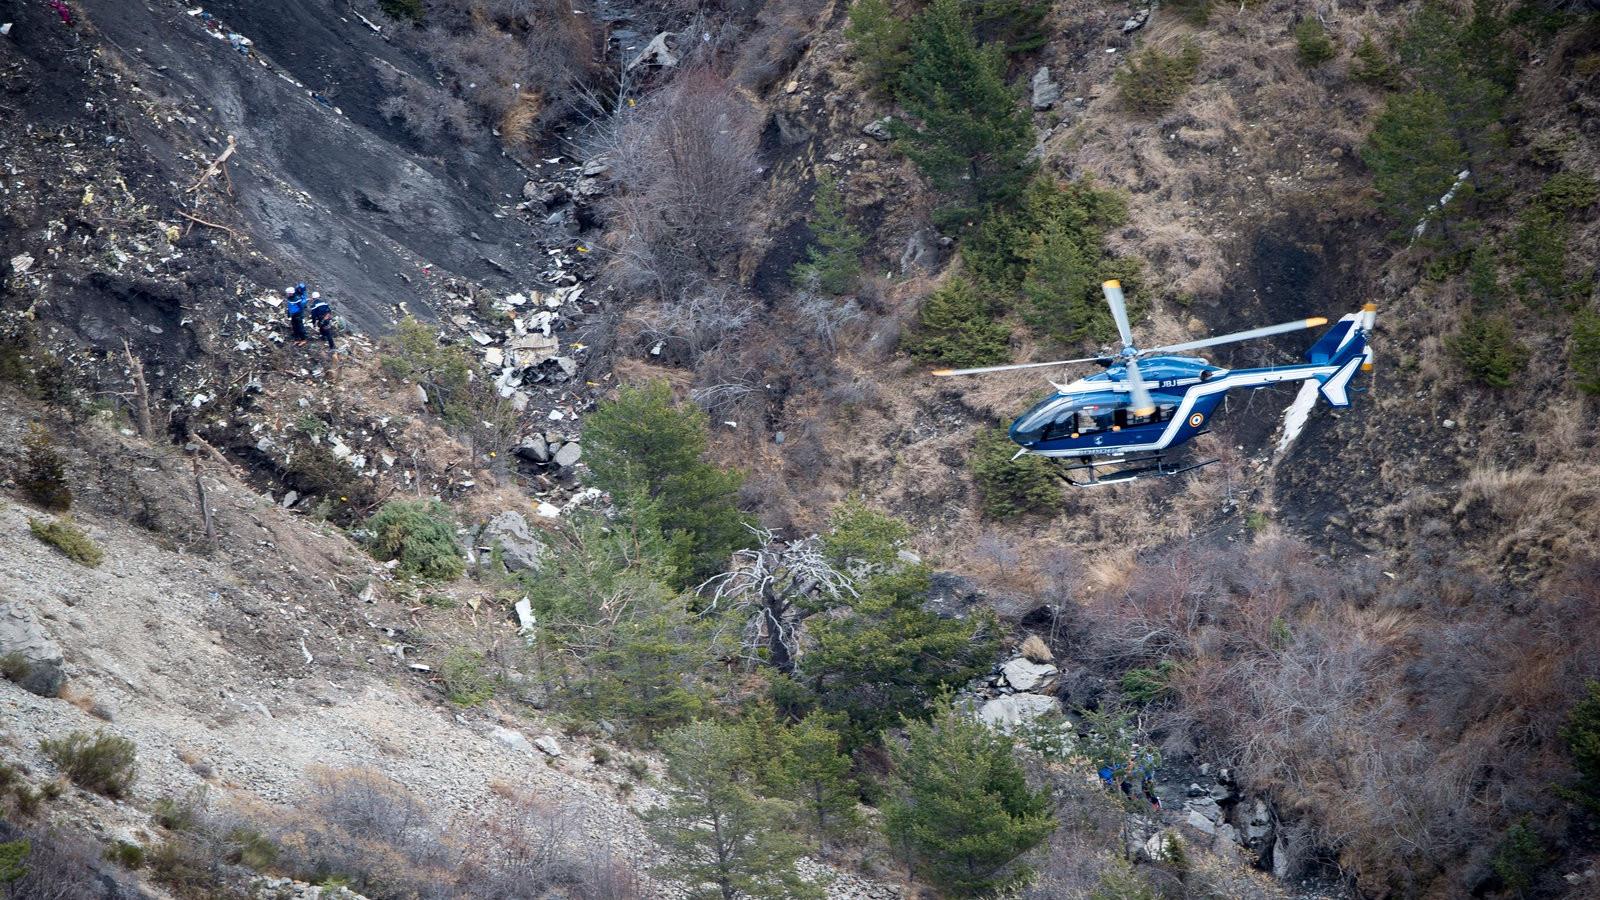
625,548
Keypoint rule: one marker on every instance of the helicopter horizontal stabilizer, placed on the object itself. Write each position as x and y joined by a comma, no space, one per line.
1336,387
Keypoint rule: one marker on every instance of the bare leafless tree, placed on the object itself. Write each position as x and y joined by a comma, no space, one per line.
776,586
684,160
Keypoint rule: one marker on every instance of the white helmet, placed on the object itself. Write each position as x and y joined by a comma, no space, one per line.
316,295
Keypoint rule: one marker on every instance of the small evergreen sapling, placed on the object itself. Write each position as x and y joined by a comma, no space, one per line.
960,807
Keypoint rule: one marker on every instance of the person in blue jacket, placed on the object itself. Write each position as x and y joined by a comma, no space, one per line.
295,306
322,317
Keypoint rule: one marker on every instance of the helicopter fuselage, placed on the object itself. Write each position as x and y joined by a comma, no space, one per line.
1094,416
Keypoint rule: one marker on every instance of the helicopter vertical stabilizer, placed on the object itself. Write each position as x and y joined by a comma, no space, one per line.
1344,346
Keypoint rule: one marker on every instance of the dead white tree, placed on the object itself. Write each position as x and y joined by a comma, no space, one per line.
776,586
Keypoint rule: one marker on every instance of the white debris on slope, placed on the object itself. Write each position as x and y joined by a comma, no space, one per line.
1295,417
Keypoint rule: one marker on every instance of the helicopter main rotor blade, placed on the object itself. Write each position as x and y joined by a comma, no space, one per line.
1119,310
1142,404
1267,331
942,373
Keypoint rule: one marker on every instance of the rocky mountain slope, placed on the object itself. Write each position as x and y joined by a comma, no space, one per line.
1368,636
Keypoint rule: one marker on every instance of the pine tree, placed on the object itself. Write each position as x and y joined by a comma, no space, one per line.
958,328
615,640
1373,67
883,656
722,838
975,136
640,444
960,807
1581,734
878,41
1488,349
1010,485
818,771
1584,355
1413,155
44,473
834,262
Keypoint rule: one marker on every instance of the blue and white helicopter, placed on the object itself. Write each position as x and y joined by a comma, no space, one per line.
1120,424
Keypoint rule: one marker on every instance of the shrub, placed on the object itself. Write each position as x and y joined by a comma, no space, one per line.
415,354
686,162
1414,156
1569,191
410,10
974,135
834,262
1010,487
43,478
1486,347
1146,685
14,667
1313,43
101,762
465,683
419,535
1153,81
644,450
878,41
1373,67
960,807
1581,734
1584,355
69,539
126,855
1520,857
957,327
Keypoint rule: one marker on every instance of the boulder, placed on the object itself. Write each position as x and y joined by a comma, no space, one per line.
878,129
1136,21
1025,675
511,739
922,251
547,745
534,449
1006,713
1045,91
518,547
1205,806
27,655
569,454
1200,823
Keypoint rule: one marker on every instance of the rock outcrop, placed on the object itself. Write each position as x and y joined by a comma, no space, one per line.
27,655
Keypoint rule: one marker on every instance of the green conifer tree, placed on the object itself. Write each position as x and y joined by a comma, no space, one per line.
1413,155
882,655
959,805
878,40
1584,355
957,327
974,136
723,839
834,262
818,772
641,445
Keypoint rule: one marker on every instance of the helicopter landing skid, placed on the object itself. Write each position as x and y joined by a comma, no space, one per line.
1126,470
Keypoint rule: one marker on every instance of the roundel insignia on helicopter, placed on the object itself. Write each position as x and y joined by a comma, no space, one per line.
1196,419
